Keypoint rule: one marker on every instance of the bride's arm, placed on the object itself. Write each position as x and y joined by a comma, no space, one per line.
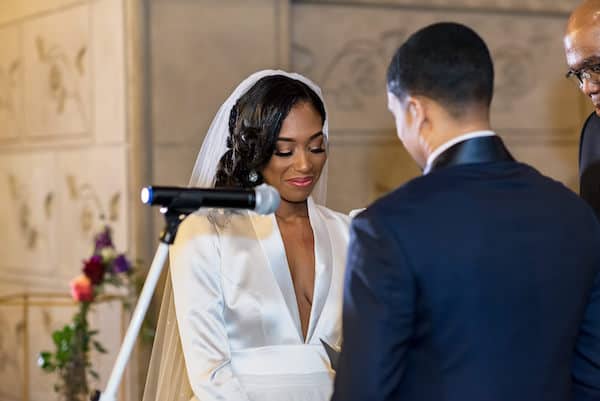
195,273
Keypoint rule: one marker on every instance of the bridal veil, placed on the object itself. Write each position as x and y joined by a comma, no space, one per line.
167,378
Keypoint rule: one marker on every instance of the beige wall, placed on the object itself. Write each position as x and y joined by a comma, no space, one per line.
84,122
65,160
201,49
535,109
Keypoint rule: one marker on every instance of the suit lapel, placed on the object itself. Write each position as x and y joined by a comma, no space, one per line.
323,266
270,240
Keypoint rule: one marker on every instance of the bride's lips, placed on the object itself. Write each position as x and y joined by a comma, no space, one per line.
300,181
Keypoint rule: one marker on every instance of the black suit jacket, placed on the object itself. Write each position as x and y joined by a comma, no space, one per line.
477,282
589,162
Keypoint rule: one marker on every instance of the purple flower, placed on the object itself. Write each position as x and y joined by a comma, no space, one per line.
103,240
121,264
94,269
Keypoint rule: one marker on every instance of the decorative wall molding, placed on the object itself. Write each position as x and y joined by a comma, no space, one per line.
93,210
352,76
64,162
18,10
62,74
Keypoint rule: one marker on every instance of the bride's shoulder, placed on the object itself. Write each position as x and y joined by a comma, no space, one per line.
330,214
206,221
196,224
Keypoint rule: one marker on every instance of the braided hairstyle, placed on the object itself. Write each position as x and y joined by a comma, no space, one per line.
254,125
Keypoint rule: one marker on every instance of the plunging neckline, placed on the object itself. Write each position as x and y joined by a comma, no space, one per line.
275,250
299,292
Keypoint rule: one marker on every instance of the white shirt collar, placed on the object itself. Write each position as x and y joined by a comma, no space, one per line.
452,142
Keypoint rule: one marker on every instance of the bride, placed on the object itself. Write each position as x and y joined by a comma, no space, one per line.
253,296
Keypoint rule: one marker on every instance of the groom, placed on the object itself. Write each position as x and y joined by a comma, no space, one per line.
478,281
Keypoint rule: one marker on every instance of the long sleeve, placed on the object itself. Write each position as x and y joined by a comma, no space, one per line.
586,365
195,272
379,303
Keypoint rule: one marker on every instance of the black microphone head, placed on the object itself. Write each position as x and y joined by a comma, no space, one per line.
267,199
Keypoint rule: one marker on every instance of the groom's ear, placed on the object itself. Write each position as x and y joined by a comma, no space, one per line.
416,110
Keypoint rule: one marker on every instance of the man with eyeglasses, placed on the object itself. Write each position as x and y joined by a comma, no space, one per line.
582,48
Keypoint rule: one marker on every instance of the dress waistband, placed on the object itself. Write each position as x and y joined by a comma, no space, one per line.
281,359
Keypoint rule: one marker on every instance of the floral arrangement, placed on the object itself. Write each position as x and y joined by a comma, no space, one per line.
71,358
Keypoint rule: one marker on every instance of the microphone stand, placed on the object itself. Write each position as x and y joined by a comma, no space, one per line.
173,218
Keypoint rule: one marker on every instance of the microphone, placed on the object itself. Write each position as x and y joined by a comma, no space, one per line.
264,199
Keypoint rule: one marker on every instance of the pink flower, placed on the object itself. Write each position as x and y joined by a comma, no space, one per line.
94,269
81,289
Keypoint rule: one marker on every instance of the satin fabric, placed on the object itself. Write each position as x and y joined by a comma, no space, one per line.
236,307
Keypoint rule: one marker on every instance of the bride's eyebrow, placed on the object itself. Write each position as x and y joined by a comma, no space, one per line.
312,137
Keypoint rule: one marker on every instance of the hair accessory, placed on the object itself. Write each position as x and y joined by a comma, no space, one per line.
253,176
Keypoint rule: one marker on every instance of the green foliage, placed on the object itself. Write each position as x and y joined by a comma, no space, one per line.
71,357
73,343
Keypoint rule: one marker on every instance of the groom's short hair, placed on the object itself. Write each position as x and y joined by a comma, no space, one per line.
447,62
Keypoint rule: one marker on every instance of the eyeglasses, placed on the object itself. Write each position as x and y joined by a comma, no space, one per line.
590,74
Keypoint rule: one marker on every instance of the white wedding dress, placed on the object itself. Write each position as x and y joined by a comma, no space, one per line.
229,327
237,312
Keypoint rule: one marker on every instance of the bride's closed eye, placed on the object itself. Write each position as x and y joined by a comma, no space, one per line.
282,153
288,153
316,145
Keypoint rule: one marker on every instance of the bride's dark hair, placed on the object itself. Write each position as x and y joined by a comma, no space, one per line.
254,125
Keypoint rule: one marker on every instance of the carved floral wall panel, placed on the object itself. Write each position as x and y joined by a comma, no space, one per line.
11,83
93,187
531,92
62,77
57,73
28,195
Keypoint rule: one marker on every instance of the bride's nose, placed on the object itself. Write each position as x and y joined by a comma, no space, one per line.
302,162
